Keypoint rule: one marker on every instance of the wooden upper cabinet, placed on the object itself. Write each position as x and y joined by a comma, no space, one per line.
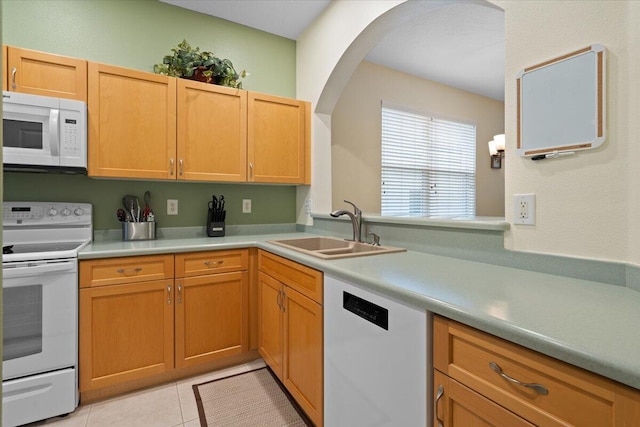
39,73
132,123
212,132
278,140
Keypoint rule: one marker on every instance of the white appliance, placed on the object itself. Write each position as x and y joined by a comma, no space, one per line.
41,132
377,359
40,308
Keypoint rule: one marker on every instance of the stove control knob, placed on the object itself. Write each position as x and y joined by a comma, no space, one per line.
79,212
65,212
52,212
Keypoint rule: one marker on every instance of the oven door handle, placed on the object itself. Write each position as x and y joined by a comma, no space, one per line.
33,268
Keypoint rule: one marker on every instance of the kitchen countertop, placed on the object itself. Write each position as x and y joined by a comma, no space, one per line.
588,324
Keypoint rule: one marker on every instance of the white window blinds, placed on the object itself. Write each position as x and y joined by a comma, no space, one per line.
428,165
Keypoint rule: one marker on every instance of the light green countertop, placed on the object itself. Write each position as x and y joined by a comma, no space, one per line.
588,324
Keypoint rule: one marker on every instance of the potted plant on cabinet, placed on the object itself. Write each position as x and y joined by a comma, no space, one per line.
191,63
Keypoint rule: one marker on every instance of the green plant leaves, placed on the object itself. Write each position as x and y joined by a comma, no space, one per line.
185,60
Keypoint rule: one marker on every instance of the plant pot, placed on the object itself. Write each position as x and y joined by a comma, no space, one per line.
199,76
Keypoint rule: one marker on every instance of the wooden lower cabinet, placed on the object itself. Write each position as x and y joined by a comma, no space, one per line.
459,406
126,332
472,369
290,331
136,321
211,317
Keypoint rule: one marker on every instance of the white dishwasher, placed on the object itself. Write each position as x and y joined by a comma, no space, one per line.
377,356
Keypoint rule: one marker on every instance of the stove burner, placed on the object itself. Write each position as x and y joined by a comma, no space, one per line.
7,249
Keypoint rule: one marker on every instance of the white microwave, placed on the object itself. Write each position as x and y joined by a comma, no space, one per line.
43,133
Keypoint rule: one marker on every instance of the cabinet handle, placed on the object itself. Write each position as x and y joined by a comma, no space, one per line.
250,170
168,294
279,299
14,70
538,388
130,272
181,162
179,300
214,264
435,404
171,162
284,297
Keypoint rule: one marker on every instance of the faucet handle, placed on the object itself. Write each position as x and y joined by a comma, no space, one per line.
376,239
355,208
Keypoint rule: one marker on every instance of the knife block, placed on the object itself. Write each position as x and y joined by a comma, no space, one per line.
214,228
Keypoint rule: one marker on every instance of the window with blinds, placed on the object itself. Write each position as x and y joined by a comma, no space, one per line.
428,165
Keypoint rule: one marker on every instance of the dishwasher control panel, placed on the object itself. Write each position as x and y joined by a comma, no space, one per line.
369,311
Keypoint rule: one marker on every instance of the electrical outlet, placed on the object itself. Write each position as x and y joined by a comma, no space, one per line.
524,209
246,205
172,207
307,206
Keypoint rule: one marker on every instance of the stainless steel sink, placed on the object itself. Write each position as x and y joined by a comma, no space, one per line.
332,248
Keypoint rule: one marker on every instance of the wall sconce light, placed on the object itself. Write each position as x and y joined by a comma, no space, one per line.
496,150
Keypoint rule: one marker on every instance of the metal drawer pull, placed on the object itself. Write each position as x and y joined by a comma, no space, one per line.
279,299
171,162
168,294
538,388
179,294
438,397
214,264
14,70
181,167
129,271
284,297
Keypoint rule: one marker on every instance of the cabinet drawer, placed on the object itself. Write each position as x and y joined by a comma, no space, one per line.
575,396
303,279
113,271
211,262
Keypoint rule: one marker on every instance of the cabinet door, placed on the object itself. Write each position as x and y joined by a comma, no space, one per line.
278,140
458,406
212,132
270,322
39,73
132,123
212,317
126,332
302,373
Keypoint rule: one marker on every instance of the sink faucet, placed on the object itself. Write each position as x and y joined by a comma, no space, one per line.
356,220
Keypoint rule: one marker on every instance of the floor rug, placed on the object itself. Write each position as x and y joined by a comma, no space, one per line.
253,398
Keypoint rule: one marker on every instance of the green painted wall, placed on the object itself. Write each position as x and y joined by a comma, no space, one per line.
270,204
137,34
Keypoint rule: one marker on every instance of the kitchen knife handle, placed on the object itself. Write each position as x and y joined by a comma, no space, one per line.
14,70
438,397
538,388
179,294
181,167
168,294
171,161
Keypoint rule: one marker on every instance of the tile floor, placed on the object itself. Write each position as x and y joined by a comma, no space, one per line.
167,405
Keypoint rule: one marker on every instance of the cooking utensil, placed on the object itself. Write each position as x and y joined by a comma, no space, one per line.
130,202
148,212
121,215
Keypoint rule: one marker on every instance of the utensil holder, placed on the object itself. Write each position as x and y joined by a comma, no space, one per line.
215,229
138,231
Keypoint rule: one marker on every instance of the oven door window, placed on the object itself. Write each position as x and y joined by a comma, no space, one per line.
22,134
22,320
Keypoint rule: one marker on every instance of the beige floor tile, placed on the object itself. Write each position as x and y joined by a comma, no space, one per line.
192,423
77,418
157,407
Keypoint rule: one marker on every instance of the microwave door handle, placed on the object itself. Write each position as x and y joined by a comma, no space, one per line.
54,140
